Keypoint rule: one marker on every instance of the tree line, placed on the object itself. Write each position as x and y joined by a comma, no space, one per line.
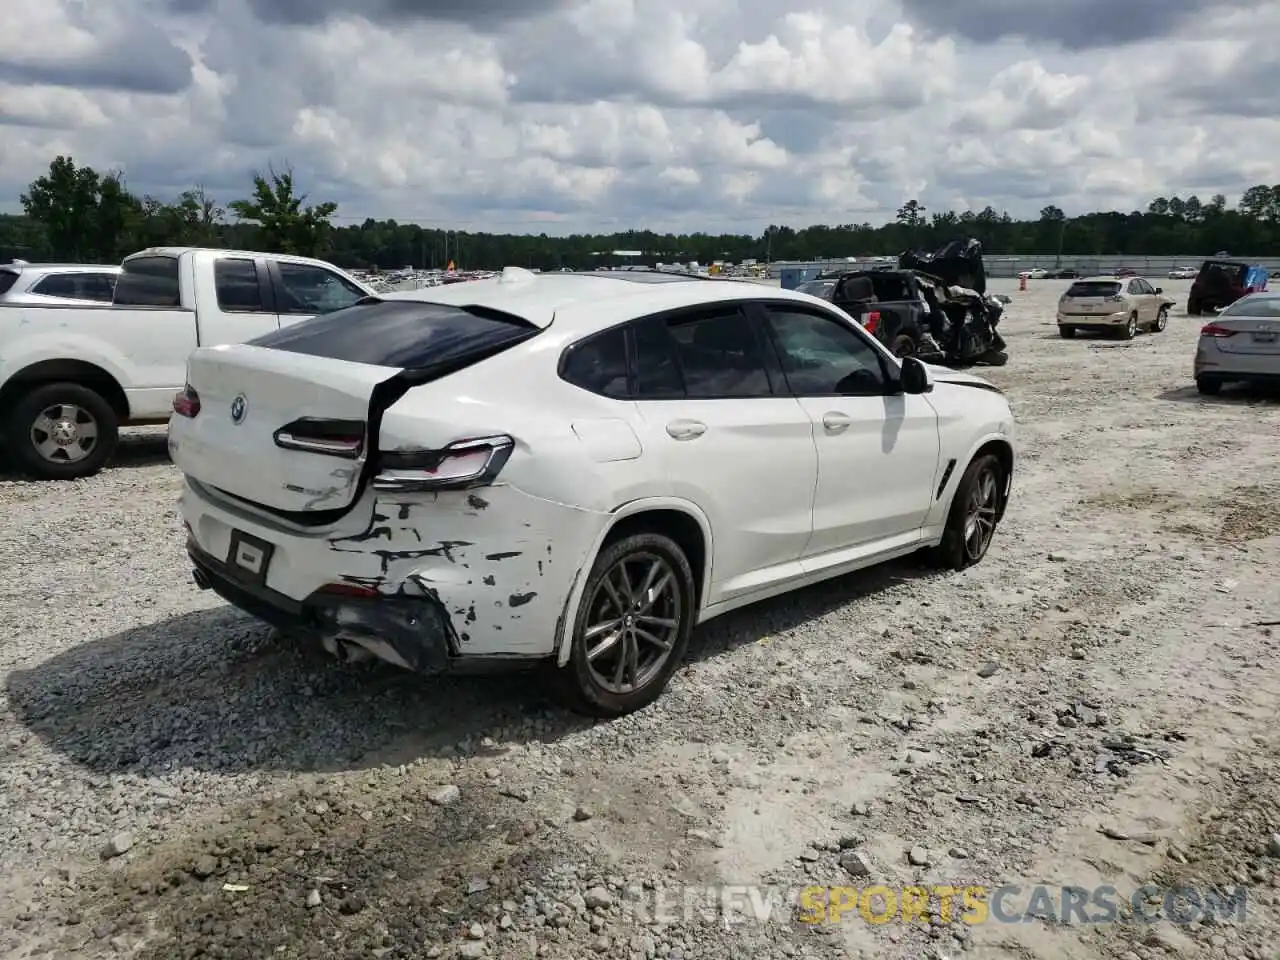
78,214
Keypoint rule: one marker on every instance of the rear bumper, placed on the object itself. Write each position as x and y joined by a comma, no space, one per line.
1217,364
414,632
422,580
1093,320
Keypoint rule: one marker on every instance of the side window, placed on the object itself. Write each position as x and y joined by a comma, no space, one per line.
308,289
822,356
149,282
100,286
56,285
235,280
599,364
1135,287
720,357
657,374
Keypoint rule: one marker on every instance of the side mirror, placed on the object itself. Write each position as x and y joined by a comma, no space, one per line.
1159,289
915,376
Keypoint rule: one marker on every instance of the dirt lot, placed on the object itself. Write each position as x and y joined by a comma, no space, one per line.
1095,704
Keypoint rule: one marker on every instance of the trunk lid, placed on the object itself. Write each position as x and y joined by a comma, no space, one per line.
1256,328
1091,298
289,422
265,419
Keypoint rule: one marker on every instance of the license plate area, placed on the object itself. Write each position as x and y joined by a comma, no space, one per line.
1264,336
249,558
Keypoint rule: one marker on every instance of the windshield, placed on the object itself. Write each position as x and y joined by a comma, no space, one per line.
817,288
1093,288
1253,307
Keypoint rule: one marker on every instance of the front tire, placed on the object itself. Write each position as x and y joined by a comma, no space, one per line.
974,515
904,345
632,629
62,431
1162,320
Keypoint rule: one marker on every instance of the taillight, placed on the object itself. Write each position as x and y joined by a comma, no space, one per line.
466,463
1213,330
1248,290
334,438
873,321
186,403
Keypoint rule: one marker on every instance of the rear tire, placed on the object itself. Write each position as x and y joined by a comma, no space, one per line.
1210,388
61,431
1066,332
1130,328
1193,308
973,517
640,588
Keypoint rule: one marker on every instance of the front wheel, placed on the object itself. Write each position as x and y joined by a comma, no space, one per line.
632,629
974,514
1162,320
62,431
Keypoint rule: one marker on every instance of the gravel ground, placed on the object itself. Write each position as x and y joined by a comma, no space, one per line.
1094,704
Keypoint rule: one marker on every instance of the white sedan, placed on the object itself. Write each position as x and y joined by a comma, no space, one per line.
571,469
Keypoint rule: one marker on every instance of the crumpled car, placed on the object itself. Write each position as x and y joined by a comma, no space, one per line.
963,317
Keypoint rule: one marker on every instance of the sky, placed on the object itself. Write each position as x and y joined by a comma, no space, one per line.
563,116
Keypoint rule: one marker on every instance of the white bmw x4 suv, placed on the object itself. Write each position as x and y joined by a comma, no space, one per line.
571,469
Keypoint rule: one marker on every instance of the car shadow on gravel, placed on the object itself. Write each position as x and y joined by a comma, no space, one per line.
216,690
1231,396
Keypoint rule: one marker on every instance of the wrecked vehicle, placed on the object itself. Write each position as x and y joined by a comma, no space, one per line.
934,307
546,470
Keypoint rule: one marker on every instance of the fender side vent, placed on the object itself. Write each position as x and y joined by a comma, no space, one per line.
946,475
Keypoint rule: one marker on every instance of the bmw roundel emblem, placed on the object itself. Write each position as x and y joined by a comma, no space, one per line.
238,409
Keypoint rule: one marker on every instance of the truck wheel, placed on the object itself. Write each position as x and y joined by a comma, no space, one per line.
62,431
1193,308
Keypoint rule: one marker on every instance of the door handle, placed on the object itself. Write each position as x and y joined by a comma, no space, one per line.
835,421
686,429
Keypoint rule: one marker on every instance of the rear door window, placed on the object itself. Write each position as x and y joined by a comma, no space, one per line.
235,281
7,279
720,357
403,333
149,282
1092,289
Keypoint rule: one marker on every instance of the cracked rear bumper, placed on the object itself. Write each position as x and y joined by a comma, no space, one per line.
413,632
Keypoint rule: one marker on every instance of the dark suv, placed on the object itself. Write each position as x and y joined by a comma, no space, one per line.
1221,283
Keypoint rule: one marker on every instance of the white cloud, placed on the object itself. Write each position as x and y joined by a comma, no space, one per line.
708,114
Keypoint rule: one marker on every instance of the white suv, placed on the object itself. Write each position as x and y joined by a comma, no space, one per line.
571,468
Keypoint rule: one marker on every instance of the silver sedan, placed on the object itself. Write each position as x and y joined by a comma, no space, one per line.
1241,344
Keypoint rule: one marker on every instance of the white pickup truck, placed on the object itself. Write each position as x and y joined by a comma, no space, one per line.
71,376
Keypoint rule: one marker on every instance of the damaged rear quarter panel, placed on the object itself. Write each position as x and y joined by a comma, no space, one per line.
501,561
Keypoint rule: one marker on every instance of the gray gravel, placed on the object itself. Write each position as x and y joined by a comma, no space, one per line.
1095,703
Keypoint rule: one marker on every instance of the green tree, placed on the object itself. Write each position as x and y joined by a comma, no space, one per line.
285,224
65,203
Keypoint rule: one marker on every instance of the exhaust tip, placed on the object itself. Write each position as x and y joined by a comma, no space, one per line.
200,579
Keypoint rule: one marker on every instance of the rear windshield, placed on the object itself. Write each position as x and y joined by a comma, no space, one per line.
148,282
1253,307
1093,288
7,279
1235,271
402,333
